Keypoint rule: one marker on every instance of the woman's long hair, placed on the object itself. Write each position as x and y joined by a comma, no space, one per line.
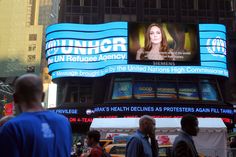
148,44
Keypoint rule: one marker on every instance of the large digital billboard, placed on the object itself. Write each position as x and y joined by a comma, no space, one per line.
82,50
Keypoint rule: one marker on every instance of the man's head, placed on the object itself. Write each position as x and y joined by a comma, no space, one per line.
28,91
93,137
189,124
147,124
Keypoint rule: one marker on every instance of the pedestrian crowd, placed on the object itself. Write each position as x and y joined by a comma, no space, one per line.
37,132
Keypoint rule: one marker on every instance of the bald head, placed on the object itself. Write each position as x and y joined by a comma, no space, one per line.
28,89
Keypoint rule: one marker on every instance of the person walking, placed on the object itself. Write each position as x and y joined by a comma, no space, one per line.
94,149
184,145
139,144
233,146
35,132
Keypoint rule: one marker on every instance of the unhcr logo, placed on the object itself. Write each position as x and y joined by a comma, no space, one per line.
216,46
52,47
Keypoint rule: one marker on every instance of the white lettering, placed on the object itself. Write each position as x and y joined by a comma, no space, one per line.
59,58
106,42
119,42
81,48
93,47
86,47
69,49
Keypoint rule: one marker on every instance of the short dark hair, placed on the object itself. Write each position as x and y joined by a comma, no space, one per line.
95,135
188,119
144,118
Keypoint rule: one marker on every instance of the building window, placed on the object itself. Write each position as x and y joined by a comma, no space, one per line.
90,2
30,69
164,3
112,3
68,2
78,93
233,5
85,94
76,19
87,19
117,3
77,2
151,4
72,94
116,17
32,37
120,3
32,47
225,5
204,5
68,18
187,4
85,2
107,3
168,4
68,9
129,3
31,58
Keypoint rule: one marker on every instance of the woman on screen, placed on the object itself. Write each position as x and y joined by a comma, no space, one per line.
155,46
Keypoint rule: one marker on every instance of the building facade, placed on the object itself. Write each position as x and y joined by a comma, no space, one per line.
21,38
82,98
20,43
48,14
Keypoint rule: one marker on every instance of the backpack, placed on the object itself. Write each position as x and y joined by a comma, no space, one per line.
105,154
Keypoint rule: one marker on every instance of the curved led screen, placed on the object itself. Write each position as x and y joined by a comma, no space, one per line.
81,50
